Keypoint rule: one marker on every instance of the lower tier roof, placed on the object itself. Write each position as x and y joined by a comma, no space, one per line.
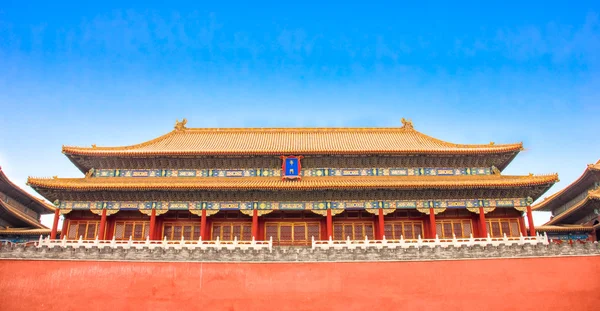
276,183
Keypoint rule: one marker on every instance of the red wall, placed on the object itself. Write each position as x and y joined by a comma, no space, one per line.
499,284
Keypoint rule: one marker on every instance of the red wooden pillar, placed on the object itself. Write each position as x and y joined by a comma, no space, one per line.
255,224
329,225
381,224
63,232
203,225
482,224
55,224
102,225
432,227
530,220
522,226
152,224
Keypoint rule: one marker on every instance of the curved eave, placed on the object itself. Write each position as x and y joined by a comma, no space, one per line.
20,215
19,231
592,196
551,228
571,191
22,196
276,183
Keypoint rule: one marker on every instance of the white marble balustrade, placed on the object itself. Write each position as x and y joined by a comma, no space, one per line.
164,244
402,243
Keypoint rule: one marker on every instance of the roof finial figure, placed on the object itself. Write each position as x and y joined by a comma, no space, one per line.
90,173
407,124
180,126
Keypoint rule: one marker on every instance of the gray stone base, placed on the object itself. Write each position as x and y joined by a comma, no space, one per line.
298,254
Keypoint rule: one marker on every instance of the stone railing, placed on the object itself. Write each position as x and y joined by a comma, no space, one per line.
163,244
402,243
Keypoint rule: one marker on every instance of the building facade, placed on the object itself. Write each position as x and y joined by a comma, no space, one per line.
20,213
575,209
293,185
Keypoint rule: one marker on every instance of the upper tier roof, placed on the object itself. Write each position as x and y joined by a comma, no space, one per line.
283,141
23,197
583,183
579,210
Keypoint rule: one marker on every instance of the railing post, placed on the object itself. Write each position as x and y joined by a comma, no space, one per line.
313,242
419,241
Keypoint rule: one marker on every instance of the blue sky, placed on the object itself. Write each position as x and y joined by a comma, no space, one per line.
472,73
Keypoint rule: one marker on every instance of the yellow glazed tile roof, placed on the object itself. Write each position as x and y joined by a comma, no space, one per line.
21,195
592,195
19,214
547,202
564,228
276,183
23,231
300,141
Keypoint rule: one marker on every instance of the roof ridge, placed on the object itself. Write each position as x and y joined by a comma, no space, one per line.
251,130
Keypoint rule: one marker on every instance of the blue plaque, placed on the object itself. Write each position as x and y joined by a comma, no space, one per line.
291,167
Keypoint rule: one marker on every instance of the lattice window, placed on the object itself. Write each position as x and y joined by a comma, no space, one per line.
407,229
86,229
137,230
498,227
461,228
353,230
227,231
292,233
177,230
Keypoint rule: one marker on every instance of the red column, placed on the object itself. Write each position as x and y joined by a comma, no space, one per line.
102,225
530,220
152,224
329,225
522,226
381,224
432,230
482,224
203,225
63,232
255,224
55,224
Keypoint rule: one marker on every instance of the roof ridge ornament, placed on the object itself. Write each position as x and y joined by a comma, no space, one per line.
495,170
90,173
180,126
407,124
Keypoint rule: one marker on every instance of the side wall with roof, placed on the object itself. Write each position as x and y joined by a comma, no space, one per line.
558,283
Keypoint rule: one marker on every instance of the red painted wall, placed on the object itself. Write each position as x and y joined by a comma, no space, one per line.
500,284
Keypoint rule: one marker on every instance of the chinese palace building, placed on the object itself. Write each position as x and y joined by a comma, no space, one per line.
292,185
20,213
575,209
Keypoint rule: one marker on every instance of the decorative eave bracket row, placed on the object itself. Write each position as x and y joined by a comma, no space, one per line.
336,207
313,172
